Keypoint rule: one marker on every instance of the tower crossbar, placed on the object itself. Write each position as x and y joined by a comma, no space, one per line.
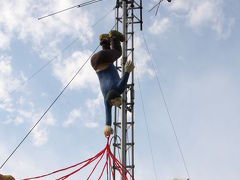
128,14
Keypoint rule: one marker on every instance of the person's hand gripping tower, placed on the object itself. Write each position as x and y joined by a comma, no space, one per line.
112,86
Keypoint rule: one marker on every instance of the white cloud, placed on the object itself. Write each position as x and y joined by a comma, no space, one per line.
8,82
66,69
73,116
20,20
25,114
20,100
94,103
31,116
203,13
90,113
49,120
87,114
4,41
5,65
19,120
180,5
206,13
143,60
25,163
94,111
224,28
210,13
91,125
40,136
209,102
159,26
40,133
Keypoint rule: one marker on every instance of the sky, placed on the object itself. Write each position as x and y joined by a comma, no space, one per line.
195,48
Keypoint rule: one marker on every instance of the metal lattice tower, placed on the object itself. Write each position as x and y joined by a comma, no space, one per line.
128,14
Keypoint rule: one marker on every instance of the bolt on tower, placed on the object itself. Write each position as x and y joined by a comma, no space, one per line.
128,14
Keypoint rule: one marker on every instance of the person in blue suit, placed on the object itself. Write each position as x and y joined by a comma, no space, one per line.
112,86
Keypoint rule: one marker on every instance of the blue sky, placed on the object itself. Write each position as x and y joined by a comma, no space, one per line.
195,45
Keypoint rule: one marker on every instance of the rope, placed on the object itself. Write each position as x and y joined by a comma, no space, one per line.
146,124
64,169
157,5
77,6
53,59
48,108
51,105
110,166
96,165
111,161
166,106
89,162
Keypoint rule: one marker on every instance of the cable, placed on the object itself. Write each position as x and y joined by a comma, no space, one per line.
51,105
77,6
51,60
157,5
166,106
146,124
103,17
38,71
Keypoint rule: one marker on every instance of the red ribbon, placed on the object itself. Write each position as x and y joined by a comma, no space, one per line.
110,159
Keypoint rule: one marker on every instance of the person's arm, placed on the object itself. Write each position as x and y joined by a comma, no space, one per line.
107,56
116,47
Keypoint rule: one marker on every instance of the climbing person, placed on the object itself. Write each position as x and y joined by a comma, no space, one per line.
6,177
112,86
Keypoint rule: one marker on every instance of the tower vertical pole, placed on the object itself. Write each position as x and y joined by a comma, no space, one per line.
124,97
128,13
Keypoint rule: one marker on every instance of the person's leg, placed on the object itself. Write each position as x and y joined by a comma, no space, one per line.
114,95
108,130
122,84
108,112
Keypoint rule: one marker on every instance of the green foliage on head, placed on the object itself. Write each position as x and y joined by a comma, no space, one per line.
104,36
117,34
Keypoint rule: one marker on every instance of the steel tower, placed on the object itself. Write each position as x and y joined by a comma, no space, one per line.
128,14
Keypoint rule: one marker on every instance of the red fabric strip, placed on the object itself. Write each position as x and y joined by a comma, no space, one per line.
96,165
109,159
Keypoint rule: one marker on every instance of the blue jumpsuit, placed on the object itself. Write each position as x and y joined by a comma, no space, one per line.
109,80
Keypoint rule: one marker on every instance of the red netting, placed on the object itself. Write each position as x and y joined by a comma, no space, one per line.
111,161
